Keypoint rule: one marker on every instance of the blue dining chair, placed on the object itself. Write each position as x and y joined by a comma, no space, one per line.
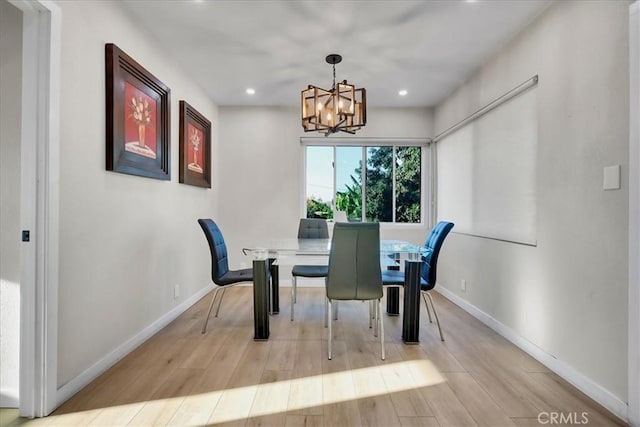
428,269
308,228
220,273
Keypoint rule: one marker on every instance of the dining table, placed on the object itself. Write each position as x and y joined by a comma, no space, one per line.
266,294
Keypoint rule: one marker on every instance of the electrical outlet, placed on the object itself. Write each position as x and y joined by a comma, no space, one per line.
463,285
176,291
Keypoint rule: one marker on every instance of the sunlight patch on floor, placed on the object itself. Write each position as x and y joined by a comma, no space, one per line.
271,398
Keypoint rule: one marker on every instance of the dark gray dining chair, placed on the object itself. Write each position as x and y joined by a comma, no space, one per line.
354,270
428,269
308,228
220,273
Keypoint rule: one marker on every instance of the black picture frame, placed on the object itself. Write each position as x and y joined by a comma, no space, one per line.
195,147
135,97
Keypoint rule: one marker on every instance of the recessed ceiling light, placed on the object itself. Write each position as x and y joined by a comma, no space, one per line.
251,91
403,92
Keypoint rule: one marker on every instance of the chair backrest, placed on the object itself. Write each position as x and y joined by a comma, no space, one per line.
433,244
313,228
219,260
354,262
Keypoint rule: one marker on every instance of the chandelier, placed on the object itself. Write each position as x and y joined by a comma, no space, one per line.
342,108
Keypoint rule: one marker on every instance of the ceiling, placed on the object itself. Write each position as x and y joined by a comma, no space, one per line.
278,47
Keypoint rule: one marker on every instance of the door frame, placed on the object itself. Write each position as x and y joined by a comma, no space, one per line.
39,211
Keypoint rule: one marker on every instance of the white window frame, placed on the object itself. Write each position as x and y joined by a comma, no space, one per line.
427,172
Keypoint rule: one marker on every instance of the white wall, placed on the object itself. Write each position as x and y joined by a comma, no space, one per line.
260,193
10,119
125,241
568,295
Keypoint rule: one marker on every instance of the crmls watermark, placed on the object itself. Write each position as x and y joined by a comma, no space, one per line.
563,418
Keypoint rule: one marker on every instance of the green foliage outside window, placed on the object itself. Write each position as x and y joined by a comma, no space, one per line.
379,184
350,200
408,184
319,209
379,188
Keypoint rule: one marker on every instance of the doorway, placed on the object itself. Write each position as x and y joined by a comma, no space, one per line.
10,145
36,185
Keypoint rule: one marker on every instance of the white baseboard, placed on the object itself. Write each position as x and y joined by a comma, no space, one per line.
76,384
595,391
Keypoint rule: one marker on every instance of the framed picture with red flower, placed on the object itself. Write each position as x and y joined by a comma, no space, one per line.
195,147
138,118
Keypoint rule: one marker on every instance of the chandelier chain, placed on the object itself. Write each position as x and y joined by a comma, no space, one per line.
334,76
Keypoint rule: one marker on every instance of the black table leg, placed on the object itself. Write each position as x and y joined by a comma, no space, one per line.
393,301
411,315
261,300
275,287
393,293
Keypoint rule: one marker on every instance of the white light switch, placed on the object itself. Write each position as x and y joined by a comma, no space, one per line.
612,178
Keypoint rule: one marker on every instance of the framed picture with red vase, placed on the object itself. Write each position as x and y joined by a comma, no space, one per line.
195,147
138,118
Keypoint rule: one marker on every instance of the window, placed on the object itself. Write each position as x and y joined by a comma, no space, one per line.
377,182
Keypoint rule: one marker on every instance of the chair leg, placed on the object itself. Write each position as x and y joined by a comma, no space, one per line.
381,318
213,299
371,316
326,312
376,315
330,332
436,314
295,289
335,311
220,302
293,294
427,305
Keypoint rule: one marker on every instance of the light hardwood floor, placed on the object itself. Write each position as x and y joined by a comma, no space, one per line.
180,377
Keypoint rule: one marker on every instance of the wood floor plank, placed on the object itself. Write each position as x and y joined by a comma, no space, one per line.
282,355
251,365
304,421
103,395
80,418
509,389
478,403
165,401
234,405
564,399
195,409
204,348
446,406
271,400
419,422
144,385
374,402
119,415
220,369
338,389
305,396
181,377
399,379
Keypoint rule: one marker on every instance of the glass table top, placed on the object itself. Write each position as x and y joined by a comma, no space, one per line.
323,247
